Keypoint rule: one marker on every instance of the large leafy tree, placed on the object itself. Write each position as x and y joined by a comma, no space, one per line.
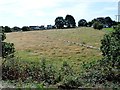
59,22
70,21
108,21
82,22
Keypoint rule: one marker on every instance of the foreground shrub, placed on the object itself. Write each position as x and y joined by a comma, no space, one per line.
111,52
107,70
67,77
16,69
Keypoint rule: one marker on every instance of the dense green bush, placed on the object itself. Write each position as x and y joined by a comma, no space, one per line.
28,72
111,52
67,77
7,48
97,25
105,72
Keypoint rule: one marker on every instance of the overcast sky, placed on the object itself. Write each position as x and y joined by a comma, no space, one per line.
42,12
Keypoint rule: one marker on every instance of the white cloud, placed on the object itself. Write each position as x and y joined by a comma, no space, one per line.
42,11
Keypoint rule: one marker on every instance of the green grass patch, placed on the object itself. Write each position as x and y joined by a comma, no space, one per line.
109,29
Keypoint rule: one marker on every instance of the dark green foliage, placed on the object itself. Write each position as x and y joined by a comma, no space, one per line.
15,69
109,21
111,52
7,48
97,25
16,28
47,72
3,36
7,29
25,28
59,22
66,69
67,77
70,21
105,72
82,22
89,24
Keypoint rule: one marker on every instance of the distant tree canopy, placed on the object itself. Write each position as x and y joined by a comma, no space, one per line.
70,21
59,22
82,22
7,29
25,28
107,21
16,28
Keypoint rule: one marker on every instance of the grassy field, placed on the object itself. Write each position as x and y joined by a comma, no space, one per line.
52,45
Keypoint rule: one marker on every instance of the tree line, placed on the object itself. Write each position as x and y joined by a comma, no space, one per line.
96,23
69,22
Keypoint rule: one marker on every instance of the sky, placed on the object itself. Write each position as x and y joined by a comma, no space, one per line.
43,12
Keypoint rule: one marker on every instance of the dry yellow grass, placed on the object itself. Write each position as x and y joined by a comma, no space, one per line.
51,44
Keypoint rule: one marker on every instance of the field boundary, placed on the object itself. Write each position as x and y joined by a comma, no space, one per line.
81,44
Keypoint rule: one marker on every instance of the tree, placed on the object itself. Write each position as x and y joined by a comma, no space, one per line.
25,28
7,29
89,24
16,28
59,22
108,21
82,22
70,21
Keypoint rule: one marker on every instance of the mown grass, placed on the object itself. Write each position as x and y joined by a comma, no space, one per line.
52,45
